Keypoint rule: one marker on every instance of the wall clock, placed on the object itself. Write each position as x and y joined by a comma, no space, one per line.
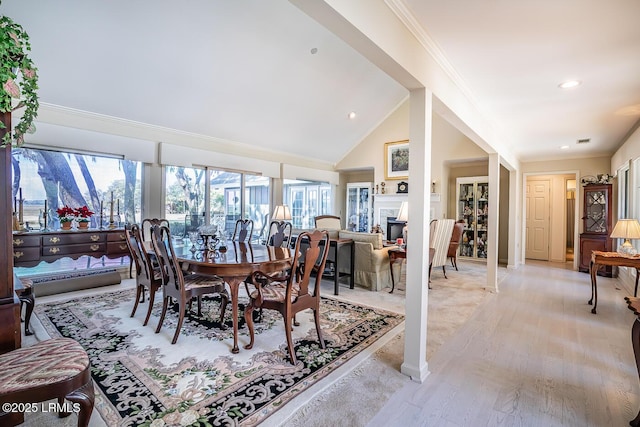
403,187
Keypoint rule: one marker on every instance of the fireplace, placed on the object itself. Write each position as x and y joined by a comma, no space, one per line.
394,228
387,206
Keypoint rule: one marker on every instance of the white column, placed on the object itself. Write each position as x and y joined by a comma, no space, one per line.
514,230
153,199
493,221
415,341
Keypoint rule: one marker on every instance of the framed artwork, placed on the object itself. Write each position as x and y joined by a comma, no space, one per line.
396,160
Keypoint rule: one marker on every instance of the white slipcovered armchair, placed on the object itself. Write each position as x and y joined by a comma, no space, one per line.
371,260
440,237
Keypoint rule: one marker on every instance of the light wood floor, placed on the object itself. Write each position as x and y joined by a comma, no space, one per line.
531,355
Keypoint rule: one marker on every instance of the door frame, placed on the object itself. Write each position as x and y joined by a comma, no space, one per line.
577,219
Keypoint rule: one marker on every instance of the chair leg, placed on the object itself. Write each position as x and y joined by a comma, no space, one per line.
85,397
165,304
287,328
316,317
248,318
455,262
181,308
223,307
444,271
135,305
199,306
152,296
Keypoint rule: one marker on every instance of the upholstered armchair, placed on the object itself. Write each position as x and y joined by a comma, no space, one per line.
371,260
441,232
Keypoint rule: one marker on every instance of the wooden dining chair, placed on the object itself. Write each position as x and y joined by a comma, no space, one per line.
294,293
243,230
145,229
279,233
180,286
148,275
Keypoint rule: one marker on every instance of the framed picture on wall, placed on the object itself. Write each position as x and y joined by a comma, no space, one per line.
396,160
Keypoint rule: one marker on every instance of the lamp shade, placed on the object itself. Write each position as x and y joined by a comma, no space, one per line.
282,213
403,215
626,229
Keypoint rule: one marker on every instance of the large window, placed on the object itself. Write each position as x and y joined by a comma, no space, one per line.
187,191
307,199
75,180
184,199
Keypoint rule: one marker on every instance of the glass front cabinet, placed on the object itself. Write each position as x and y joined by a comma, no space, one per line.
597,224
472,197
359,203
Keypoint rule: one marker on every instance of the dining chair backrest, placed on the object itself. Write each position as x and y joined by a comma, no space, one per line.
139,255
146,225
172,277
316,248
279,233
327,222
243,230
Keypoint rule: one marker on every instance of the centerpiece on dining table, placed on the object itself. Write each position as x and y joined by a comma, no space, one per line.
208,234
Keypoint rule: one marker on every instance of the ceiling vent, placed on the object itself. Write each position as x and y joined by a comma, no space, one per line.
584,141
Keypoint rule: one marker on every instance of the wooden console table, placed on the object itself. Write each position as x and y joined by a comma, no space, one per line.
30,248
399,253
599,259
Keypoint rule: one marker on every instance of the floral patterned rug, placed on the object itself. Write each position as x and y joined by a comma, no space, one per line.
143,380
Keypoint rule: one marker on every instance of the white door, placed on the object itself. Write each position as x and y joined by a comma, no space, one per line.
537,220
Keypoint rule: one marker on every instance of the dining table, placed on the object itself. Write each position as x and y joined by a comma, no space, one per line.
234,263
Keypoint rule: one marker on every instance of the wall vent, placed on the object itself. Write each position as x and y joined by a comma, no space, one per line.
584,141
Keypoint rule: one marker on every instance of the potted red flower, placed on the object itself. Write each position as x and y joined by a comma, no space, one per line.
82,215
66,216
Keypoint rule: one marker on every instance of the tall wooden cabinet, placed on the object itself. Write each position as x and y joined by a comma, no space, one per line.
597,224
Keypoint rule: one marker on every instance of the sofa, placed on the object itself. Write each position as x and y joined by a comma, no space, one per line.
371,259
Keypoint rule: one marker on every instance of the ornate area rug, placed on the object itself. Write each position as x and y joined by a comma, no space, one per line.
143,380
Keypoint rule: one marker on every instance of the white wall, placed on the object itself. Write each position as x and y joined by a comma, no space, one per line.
449,145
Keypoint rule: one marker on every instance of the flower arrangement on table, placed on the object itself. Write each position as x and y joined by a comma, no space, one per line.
65,214
82,214
18,80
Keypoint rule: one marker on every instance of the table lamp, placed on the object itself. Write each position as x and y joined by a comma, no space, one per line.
626,229
403,215
282,213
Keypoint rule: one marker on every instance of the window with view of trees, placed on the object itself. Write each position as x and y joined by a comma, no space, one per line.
75,180
186,207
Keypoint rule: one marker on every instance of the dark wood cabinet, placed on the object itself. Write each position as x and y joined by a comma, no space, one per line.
597,224
31,248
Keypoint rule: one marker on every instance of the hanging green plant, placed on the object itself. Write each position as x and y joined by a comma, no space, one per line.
18,80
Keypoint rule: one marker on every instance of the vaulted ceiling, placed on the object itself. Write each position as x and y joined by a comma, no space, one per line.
263,73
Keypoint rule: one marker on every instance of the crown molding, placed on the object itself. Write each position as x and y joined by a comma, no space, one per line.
406,16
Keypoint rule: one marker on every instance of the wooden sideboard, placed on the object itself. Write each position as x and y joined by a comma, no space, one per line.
30,248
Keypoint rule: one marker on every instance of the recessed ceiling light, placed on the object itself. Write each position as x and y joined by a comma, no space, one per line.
352,115
564,147
569,84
